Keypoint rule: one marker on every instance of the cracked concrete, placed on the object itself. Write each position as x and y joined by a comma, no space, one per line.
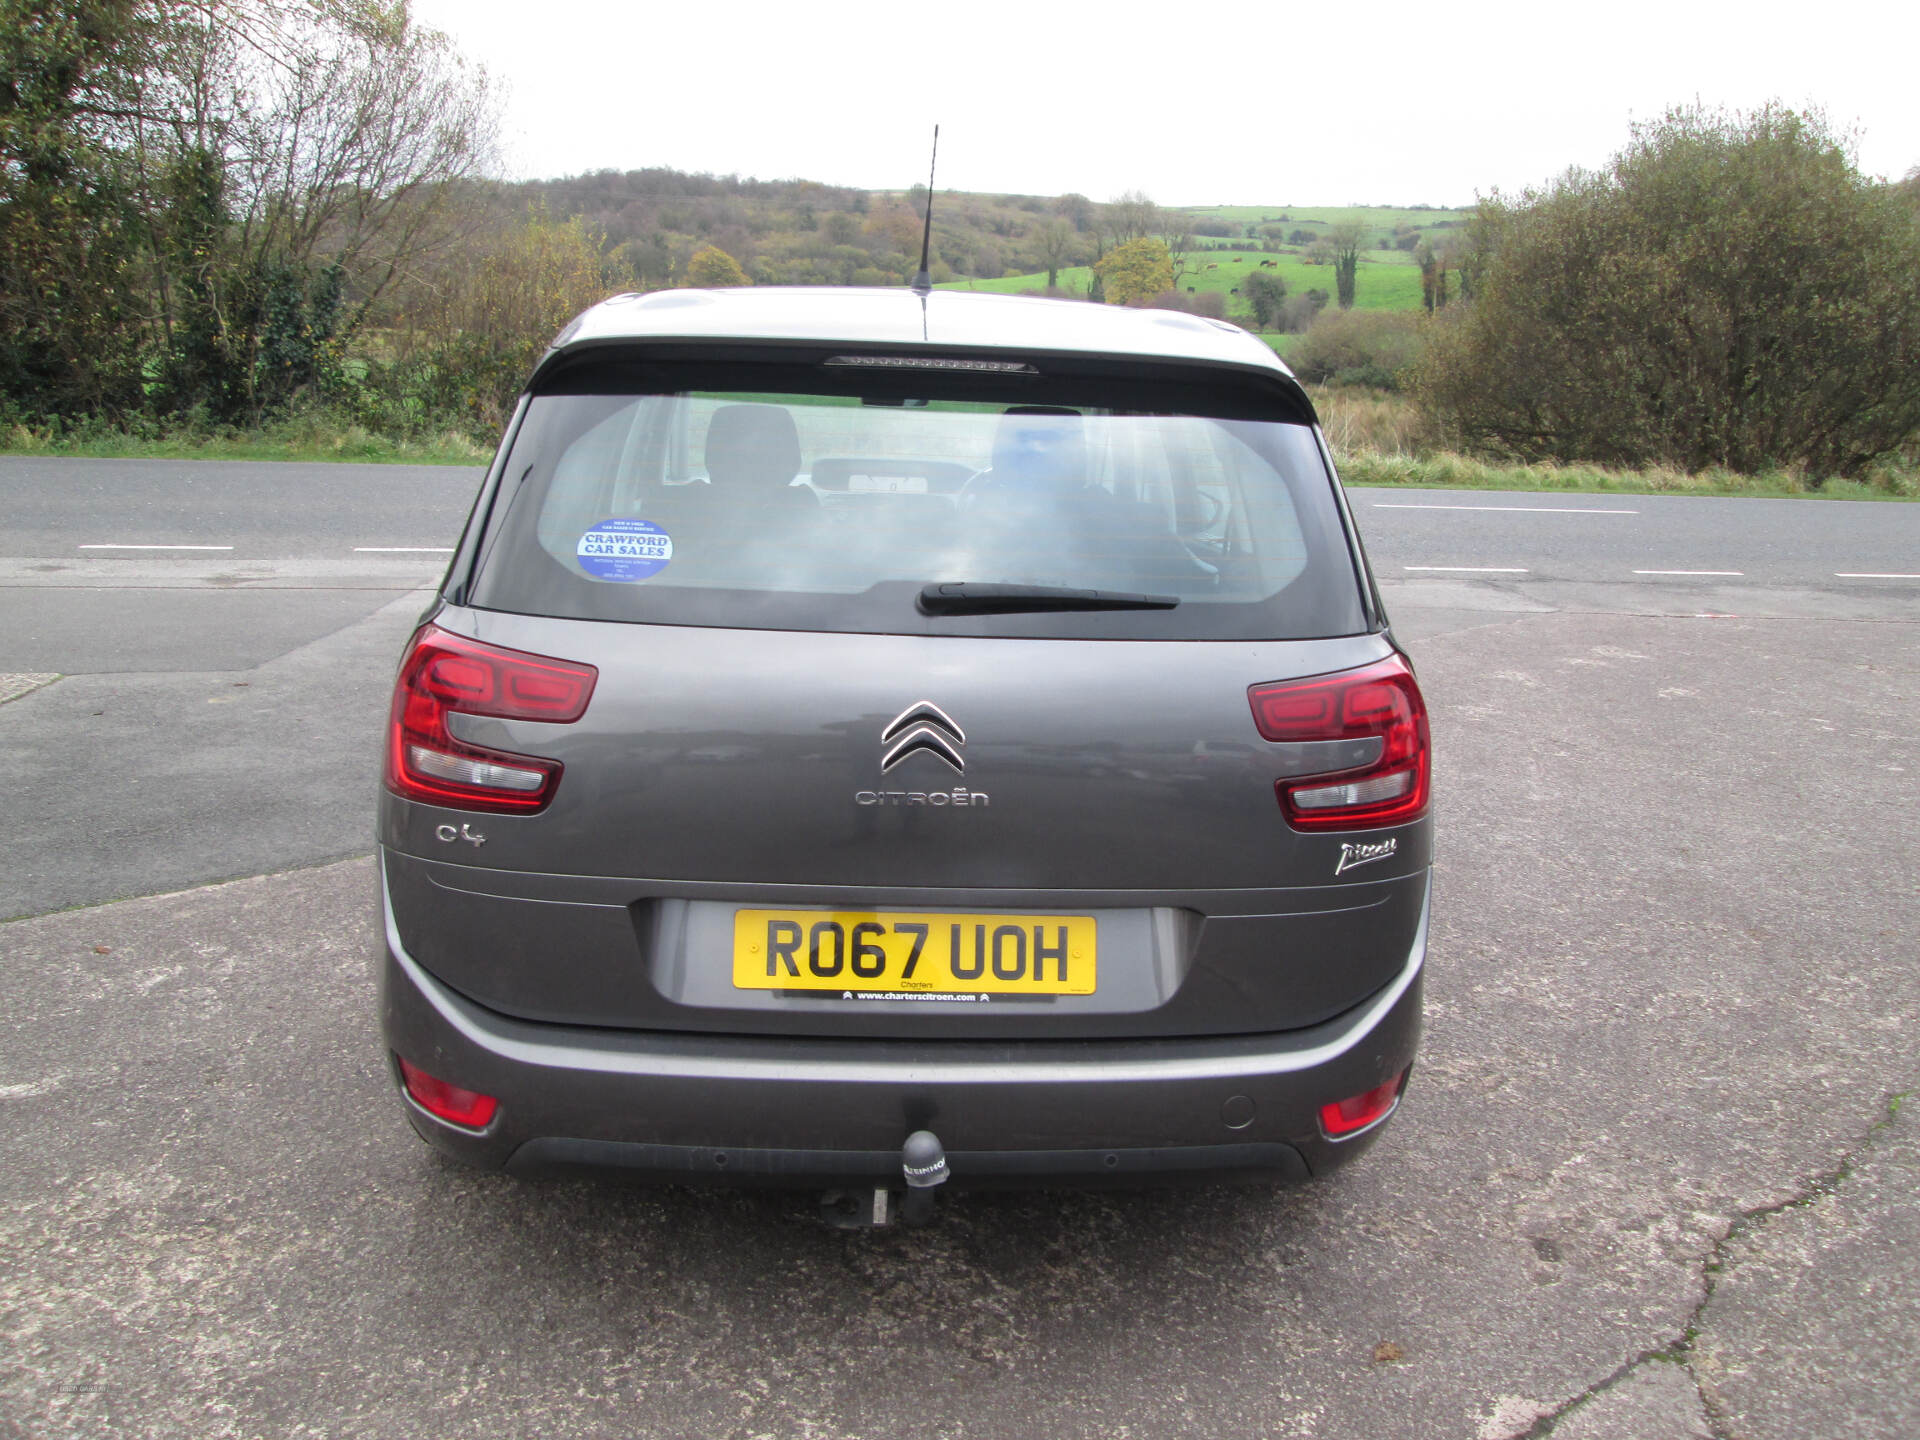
1809,1328
1864,1251
1656,1400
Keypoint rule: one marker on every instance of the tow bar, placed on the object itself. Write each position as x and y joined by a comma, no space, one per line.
923,1166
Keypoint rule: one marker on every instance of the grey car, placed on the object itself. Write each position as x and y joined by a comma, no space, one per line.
855,715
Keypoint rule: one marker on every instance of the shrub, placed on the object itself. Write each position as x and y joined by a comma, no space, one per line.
1730,292
1299,310
1377,348
475,338
712,268
1266,294
1210,303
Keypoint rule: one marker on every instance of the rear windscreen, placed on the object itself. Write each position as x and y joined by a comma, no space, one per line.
779,504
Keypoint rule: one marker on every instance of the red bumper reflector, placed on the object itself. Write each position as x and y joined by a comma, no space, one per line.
446,1102
1346,1117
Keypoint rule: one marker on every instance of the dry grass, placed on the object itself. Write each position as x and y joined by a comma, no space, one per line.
1370,422
1381,438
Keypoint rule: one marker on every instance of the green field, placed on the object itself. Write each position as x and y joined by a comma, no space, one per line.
1386,280
1379,218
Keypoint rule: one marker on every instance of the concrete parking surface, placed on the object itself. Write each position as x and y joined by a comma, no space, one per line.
1646,1183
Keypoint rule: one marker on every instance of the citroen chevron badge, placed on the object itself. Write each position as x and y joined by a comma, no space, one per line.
923,725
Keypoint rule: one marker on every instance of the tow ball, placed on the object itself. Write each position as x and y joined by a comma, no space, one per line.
923,1169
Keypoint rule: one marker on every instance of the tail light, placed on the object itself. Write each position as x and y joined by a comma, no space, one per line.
447,1102
1376,700
445,675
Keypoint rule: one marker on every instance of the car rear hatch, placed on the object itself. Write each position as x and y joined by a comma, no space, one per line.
869,679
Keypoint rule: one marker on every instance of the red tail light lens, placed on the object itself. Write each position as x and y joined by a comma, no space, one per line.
1376,700
1349,1117
444,675
448,1102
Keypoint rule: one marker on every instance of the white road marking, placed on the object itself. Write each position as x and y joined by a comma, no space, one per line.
403,549
156,547
1870,575
1689,572
1473,569
1512,509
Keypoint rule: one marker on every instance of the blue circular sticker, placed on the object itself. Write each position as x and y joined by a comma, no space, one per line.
624,550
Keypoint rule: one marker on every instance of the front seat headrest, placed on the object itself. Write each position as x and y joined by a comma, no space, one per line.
752,445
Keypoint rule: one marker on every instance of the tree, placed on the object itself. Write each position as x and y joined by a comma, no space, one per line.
1266,293
1730,291
482,328
712,268
1078,211
1135,271
1434,260
649,261
1130,215
1346,240
279,141
1056,246
271,167
71,317
1175,229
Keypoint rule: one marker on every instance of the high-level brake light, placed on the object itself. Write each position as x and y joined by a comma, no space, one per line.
445,674
1376,700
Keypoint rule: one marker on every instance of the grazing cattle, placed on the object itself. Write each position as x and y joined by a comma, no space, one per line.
1234,291
1213,267
1269,264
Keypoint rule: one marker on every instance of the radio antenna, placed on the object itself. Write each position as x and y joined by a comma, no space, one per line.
923,281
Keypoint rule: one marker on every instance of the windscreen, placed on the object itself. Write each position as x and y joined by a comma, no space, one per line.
805,507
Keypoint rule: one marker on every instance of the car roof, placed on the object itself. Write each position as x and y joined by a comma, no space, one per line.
944,319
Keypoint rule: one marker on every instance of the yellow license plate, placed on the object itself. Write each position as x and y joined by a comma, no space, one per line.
862,952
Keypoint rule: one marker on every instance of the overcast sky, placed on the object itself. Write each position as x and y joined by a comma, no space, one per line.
1370,102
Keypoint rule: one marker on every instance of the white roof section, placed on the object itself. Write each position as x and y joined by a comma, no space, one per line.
945,319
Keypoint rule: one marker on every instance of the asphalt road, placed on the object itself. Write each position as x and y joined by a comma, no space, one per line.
1646,1183
1637,539
51,508
345,515
236,693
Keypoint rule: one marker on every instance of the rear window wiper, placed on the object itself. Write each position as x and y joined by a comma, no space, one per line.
966,597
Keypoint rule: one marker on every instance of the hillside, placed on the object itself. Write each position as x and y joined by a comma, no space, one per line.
649,223
1386,280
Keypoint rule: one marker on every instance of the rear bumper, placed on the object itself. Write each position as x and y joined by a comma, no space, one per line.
785,1110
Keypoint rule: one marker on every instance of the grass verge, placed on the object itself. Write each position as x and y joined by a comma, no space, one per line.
289,440
1379,440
